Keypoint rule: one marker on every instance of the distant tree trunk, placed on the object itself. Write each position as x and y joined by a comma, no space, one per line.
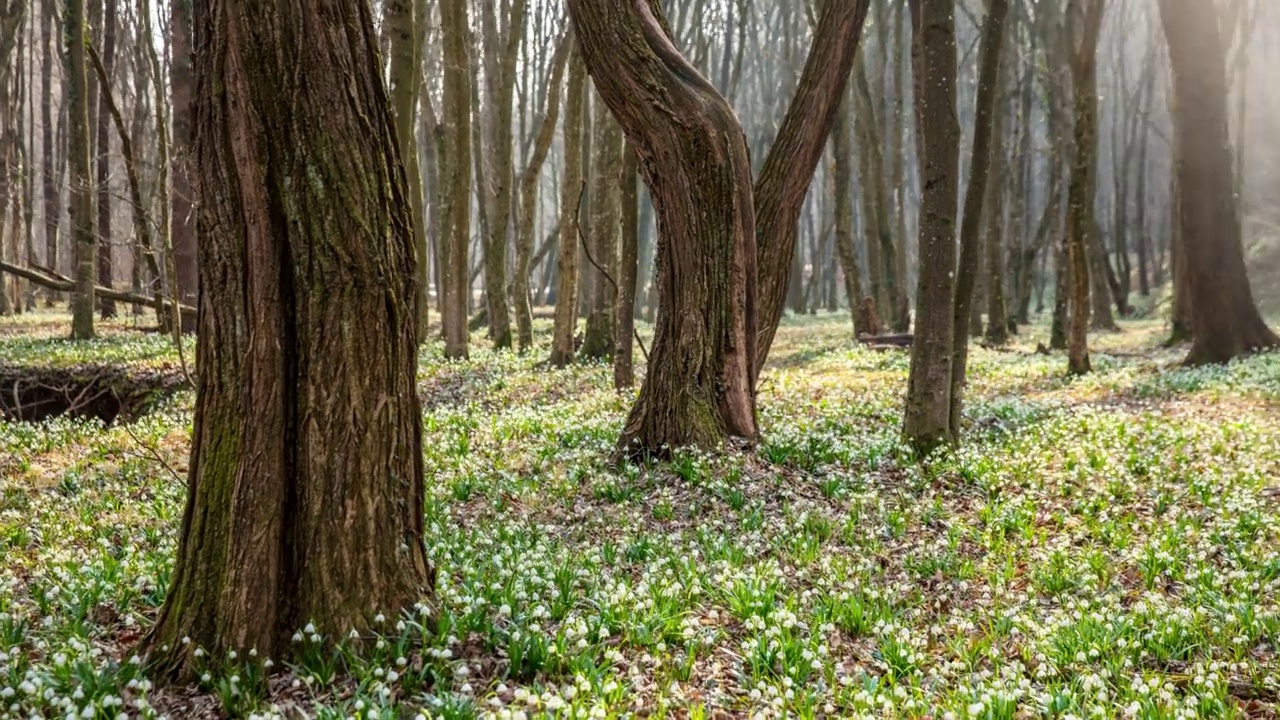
606,217
842,149
50,172
926,424
986,129
997,311
545,128
788,169
1225,321
82,231
402,24
182,223
699,389
881,255
299,429
566,318
1081,225
624,319
1144,233
105,270
456,284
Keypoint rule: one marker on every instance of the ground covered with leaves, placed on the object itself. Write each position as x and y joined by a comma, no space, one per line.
1100,547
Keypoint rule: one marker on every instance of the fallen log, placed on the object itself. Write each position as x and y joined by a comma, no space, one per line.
893,340
54,281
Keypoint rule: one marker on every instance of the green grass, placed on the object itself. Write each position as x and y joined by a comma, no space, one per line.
1100,547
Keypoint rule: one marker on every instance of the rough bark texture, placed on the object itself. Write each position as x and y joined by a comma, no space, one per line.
566,319
1224,319
1080,193
306,491
50,172
842,180
182,222
926,424
976,196
546,127
699,389
82,231
456,174
784,178
106,305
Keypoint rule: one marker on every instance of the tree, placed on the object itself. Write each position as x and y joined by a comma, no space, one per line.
456,178
82,230
404,19
49,169
307,419
1225,322
566,319
842,181
624,314
1083,26
926,424
976,198
604,234
103,160
693,157
181,219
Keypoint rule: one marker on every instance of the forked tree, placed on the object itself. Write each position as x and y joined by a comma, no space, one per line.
305,483
1225,322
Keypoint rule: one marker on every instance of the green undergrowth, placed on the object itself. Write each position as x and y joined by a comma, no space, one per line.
1100,547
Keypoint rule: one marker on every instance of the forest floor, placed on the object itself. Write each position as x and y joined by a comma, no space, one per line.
1100,547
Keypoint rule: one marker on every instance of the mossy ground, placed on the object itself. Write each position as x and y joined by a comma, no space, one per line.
1100,547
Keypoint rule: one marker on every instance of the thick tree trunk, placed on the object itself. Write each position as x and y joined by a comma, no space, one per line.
784,179
182,222
624,317
544,133
700,385
976,197
1224,319
105,270
299,428
1081,230
566,319
82,230
455,280
926,424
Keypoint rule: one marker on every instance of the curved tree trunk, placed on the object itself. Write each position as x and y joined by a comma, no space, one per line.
1224,319
784,178
926,424
308,257
699,388
976,196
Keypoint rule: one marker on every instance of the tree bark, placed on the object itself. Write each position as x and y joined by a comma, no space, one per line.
107,306
456,166
624,317
606,218
566,319
82,230
842,173
403,26
182,222
784,179
308,258
49,174
699,389
1224,318
976,197
926,423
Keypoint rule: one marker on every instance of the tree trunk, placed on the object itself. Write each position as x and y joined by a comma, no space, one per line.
606,218
784,179
299,427
49,172
105,270
182,222
566,319
457,177
926,424
700,385
402,24
842,148
624,318
1081,226
1225,321
997,332
544,134
976,197
82,230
